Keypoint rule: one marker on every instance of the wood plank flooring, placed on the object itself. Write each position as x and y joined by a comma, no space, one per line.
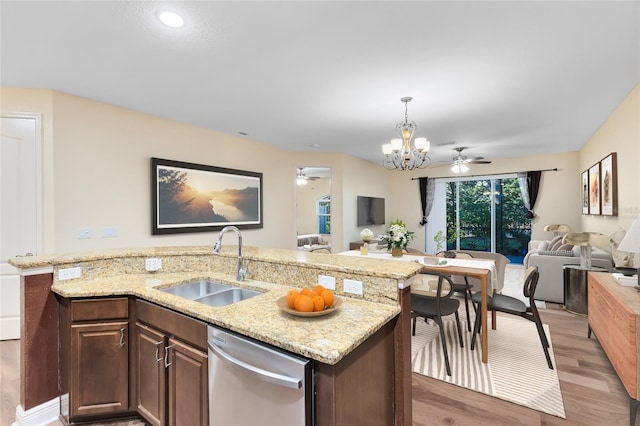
591,390
592,393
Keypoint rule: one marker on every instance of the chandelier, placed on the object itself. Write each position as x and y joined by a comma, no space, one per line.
399,154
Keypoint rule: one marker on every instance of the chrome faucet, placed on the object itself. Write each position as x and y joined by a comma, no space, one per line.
218,245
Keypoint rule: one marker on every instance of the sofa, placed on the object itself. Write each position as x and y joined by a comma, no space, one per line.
313,242
550,257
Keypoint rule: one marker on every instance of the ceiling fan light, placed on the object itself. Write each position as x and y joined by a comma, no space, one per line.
300,180
455,168
464,168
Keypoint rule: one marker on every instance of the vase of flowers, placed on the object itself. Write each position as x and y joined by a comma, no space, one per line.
366,235
397,237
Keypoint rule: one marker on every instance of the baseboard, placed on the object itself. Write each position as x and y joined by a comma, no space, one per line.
10,328
40,415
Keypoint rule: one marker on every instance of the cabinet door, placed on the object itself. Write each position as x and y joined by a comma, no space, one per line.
188,385
150,374
99,368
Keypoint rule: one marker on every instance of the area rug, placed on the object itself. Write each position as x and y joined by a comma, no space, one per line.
517,370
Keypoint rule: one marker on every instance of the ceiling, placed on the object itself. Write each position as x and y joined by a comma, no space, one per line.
505,79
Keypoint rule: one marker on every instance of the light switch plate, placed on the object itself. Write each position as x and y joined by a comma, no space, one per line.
327,282
353,287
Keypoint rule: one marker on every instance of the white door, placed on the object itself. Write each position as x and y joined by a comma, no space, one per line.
19,203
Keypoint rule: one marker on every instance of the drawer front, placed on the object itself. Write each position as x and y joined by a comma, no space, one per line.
173,323
100,309
615,327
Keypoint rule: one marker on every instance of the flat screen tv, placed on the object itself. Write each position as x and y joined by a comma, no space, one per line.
370,211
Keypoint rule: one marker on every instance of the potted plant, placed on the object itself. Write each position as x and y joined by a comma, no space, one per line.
397,237
439,239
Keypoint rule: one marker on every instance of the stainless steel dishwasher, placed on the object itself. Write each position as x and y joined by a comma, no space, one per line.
251,383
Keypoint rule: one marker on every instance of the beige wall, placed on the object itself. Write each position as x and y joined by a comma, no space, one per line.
96,171
620,133
559,190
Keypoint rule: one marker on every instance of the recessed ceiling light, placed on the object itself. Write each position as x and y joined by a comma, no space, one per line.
171,19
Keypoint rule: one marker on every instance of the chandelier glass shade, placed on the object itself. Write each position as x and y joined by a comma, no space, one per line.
399,154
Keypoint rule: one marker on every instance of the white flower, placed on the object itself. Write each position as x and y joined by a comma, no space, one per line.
366,234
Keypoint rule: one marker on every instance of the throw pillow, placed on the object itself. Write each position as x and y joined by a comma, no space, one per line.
565,247
543,246
566,253
555,243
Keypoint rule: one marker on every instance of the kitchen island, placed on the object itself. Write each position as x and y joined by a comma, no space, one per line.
329,340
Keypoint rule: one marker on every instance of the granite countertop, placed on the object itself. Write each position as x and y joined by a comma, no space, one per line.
327,339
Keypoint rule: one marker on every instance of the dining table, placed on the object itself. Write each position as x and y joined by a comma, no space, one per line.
484,270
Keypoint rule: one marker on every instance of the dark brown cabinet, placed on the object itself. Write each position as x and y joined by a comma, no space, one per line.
171,372
150,374
94,357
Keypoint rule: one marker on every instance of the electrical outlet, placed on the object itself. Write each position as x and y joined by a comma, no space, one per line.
153,264
69,273
109,232
327,282
84,233
353,286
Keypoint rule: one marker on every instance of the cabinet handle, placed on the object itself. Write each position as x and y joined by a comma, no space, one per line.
122,337
166,356
158,358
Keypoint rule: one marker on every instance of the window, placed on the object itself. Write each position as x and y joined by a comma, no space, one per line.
482,214
323,209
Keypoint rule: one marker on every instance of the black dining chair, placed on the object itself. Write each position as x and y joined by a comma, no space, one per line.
461,284
435,307
513,306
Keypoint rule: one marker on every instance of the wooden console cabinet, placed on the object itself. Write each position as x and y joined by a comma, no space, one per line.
614,316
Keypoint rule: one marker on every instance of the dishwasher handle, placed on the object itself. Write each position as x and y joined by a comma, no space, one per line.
269,376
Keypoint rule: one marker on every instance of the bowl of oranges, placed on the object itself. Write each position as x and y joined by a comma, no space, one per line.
309,302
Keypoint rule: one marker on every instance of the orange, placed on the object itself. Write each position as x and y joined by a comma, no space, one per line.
291,298
318,289
327,296
307,292
304,303
318,303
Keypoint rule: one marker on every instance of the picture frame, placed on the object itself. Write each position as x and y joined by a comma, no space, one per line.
189,197
609,185
585,192
594,189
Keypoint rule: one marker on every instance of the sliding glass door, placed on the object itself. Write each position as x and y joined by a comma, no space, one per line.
482,214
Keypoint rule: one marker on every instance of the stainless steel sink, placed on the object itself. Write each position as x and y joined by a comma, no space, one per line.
197,289
211,293
227,297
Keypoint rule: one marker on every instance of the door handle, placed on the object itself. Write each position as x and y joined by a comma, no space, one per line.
166,356
158,359
122,337
268,376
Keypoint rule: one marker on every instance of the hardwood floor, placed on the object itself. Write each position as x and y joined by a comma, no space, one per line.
591,390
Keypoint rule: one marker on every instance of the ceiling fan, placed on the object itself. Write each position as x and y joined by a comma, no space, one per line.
301,178
460,161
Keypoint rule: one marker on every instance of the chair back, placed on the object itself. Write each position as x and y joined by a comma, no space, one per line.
531,276
456,254
444,288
